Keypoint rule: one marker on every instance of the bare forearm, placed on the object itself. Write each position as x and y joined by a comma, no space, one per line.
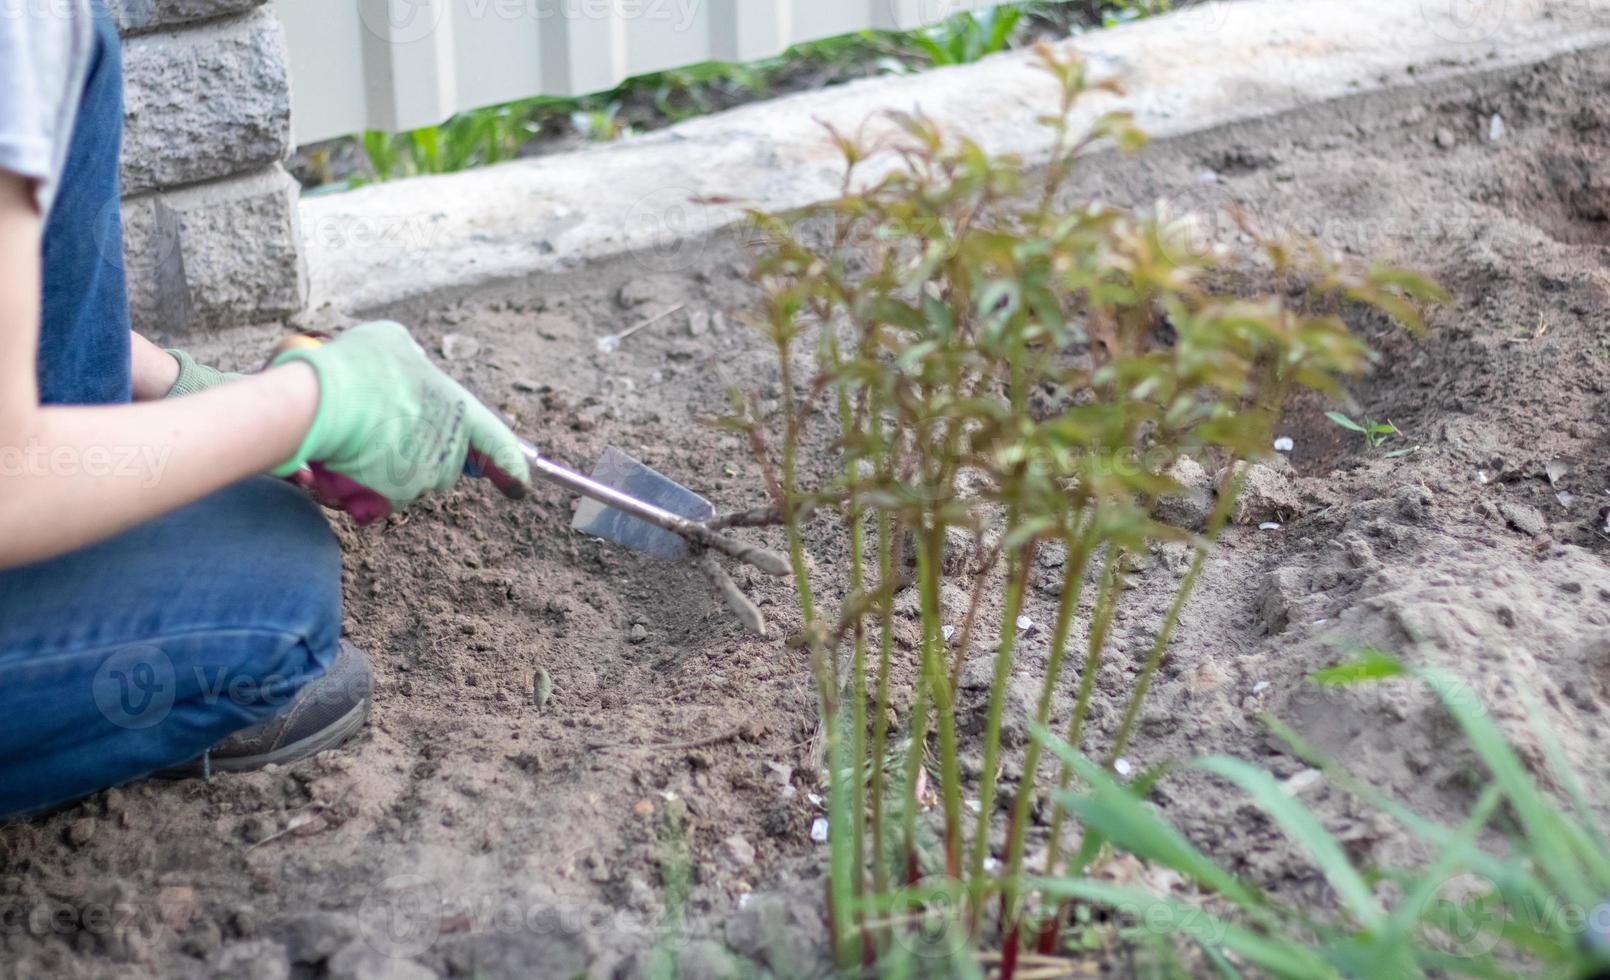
153,369
73,476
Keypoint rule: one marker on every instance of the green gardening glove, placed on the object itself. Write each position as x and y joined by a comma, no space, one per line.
391,427
195,377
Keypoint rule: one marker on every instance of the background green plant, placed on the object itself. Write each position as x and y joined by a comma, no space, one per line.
1375,433
928,316
493,135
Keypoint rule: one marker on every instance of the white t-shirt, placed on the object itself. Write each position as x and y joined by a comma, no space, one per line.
45,48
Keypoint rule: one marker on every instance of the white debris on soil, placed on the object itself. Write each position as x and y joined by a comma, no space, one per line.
1301,781
1495,128
1025,623
819,830
1260,687
1269,526
782,775
1285,444
949,632
1122,767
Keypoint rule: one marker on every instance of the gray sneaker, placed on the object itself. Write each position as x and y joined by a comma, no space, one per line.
320,717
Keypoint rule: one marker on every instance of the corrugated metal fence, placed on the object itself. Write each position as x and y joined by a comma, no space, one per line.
402,64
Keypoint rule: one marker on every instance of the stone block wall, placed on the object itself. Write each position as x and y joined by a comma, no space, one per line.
211,237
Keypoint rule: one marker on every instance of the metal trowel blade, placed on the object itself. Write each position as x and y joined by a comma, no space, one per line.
621,472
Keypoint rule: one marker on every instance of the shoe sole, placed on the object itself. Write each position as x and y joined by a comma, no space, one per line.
323,740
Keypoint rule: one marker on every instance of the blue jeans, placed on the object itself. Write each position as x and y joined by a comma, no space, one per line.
142,651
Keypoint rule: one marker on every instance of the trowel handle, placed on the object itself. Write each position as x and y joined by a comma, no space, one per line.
767,561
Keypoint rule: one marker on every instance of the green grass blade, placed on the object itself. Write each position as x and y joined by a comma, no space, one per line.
1547,833
1430,831
1280,956
1345,422
1118,816
1303,827
1373,665
1401,923
1592,844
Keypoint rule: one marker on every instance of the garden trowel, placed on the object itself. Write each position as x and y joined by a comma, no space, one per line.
632,505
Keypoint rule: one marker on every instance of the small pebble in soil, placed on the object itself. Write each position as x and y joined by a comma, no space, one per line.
1446,138
1122,767
737,850
1025,623
1285,444
460,347
1301,781
639,633
643,809
819,830
81,831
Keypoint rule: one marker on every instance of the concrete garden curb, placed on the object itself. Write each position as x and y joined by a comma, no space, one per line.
1201,68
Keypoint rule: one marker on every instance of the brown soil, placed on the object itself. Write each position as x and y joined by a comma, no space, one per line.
471,831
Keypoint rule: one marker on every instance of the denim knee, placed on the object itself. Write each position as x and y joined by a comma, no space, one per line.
142,651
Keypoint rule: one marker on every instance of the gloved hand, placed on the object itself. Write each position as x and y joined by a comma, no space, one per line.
195,377
391,426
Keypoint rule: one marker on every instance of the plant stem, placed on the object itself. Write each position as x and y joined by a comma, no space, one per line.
1106,602
887,465
1017,573
1073,576
791,426
930,553
858,688
880,718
